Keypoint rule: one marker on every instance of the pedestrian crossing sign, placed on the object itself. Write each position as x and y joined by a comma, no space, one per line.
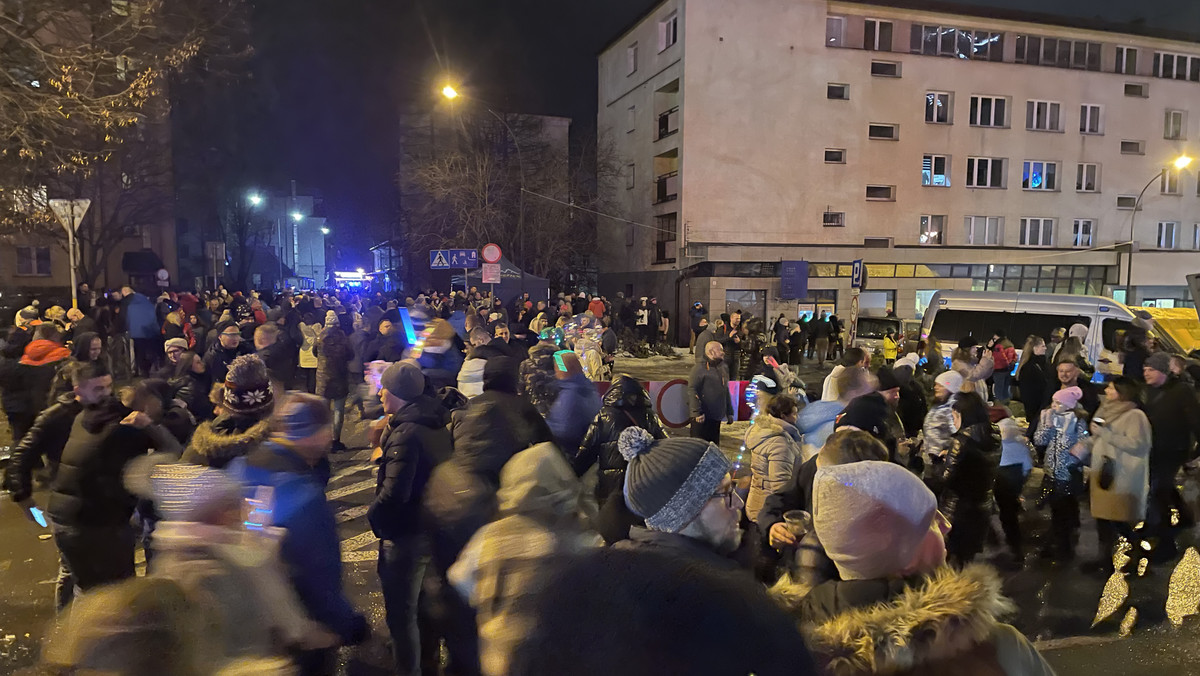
439,259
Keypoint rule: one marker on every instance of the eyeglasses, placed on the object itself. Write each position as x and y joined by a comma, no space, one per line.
727,496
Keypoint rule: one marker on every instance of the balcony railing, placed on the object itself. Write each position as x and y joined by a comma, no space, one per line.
666,187
668,123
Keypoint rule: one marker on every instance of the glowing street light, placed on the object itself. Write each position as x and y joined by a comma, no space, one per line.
255,199
1182,162
449,92
361,271
324,231
297,216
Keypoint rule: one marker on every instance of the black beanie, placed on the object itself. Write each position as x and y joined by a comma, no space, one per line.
868,413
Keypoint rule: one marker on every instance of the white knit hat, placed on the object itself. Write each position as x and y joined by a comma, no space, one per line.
872,517
951,380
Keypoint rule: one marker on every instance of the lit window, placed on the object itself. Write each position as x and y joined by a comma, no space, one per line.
1038,175
1037,231
932,230
935,170
1081,232
1087,177
937,107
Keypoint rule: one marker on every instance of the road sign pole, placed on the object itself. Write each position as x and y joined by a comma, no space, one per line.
71,256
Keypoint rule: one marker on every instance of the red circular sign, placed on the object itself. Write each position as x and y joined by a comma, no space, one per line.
491,253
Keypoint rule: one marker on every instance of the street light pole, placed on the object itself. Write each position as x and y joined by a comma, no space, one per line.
1180,163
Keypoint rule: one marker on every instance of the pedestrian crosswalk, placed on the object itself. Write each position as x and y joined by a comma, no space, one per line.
351,485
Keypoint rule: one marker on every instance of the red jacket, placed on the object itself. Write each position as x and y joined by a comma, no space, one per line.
1004,357
597,307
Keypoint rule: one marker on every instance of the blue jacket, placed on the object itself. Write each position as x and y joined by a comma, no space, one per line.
815,422
140,317
310,549
577,404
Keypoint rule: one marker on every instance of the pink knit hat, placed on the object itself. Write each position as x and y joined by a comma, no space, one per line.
1068,397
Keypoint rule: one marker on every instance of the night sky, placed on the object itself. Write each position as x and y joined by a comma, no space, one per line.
338,70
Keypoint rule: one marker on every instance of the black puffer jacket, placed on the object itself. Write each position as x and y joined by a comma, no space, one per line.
496,424
192,389
333,364
1174,415
47,437
414,443
625,404
89,488
968,476
12,389
217,443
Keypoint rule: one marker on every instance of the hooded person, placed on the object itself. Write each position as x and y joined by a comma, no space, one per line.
576,405
40,363
682,488
625,404
248,399
775,452
87,348
538,519
537,382
897,607
870,413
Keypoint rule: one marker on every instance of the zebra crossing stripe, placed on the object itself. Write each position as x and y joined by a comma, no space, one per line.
350,513
358,557
357,487
358,541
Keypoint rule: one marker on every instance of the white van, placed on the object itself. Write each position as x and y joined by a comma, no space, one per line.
953,315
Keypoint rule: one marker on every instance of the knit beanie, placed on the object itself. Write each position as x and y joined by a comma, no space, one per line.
179,343
1068,396
668,481
872,517
248,387
403,380
951,380
1159,361
1078,331
186,492
331,319
868,413
887,379
300,416
27,314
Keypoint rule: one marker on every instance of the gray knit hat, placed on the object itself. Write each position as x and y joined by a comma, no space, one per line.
1159,361
669,480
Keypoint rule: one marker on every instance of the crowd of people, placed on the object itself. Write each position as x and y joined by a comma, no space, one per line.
531,525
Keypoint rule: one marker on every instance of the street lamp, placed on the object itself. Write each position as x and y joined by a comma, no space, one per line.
255,199
297,216
1182,162
324,231
449,92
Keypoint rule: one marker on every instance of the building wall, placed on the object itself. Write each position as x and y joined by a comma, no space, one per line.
757,121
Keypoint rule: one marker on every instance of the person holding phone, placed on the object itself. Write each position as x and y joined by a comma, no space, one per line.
1120,476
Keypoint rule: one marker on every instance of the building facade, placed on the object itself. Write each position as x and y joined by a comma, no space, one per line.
947,151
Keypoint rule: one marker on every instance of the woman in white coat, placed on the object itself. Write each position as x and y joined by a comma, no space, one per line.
775,451
1120,476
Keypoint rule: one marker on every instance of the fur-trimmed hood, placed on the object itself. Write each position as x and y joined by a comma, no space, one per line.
897,626
218,442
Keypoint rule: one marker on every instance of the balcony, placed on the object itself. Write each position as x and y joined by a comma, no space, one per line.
666,187
664,251
668,123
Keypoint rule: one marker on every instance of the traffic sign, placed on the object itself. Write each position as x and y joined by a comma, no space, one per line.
464,258
439,259
856,275
491,273
491,253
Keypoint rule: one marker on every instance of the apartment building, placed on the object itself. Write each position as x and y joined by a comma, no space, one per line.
981,150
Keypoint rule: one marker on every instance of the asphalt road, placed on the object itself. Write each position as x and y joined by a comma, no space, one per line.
1057,604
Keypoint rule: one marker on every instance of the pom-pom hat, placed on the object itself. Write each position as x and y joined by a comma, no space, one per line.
669,481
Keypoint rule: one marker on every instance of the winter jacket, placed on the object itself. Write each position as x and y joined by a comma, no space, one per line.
1132,362
414,442
775,457
537,382
596,307
970,469
974,374
309,333
704,338
140,317
625,404
47,437
890,347
1004,356
945,623
89,488
573,410
333,364
219,442
1032,381
218,359
708,392
38,367
310,549
798,495
815,422
939,428
280,360
192,389
1059,433
13,395
491,429
441,368
829,389
681,547
912,408
238,581
1124,442
505,561
1090,401
384,348
1174,415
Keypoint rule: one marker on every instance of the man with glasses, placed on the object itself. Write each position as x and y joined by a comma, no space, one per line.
226,348
684,491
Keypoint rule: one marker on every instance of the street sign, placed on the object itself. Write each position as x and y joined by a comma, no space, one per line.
439,259
464,258
163,278
853,324
491,254
793,279
70,212
856,275
491,273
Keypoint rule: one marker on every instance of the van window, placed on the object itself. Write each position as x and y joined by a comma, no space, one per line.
875,327
951,325
1112,331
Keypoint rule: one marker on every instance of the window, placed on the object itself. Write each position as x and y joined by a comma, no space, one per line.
1168,182
883,132
1133,147
985,172
834,219
631,119
1034,50
666,228
668,31
1087,177
835,27
1126,60
885,68
949,41
1029,49
937,107
1081,232
1167,234
988,46
983,230
933,229
1089,119
935,171
1196,237
1138,89
988,111
629,171
838,91
1042,116
1176,66
835,156
1127,202
1174,125
33,261
1039,175
1037,231
881,193
631,58
877,35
